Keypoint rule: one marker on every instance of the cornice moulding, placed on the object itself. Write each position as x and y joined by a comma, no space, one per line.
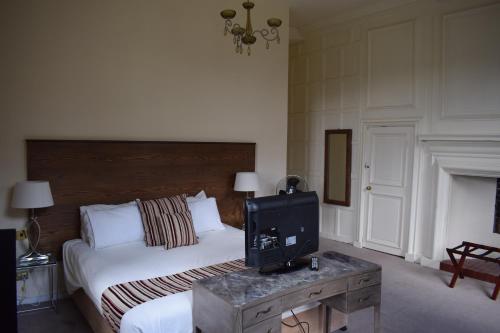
362,11
459,138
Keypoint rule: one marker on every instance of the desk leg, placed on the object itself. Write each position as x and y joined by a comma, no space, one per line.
376,318
327,319
346,323
497,289
51,285
56,286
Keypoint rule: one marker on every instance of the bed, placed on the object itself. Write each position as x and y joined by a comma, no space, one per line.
111,172
94,271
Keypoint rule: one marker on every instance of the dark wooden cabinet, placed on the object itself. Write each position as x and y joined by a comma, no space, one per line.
8,290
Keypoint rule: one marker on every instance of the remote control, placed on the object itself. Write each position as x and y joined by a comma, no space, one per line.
314,264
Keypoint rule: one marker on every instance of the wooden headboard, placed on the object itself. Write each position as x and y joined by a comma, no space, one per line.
90,172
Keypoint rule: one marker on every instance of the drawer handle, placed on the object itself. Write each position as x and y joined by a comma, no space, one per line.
270,330
263,312
361,300
365,280
315,293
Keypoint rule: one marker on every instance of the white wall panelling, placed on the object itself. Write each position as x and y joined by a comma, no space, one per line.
332,62
466,53
333,99
350,92
391,66
299,70
430,64
332,94
298,98
331,120
315,96
350,60
315,67
470,62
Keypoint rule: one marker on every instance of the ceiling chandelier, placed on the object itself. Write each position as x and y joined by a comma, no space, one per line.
246,35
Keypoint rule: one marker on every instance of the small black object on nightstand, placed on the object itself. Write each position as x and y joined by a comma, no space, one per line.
314,263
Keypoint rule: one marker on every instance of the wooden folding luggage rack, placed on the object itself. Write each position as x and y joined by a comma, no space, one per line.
484,266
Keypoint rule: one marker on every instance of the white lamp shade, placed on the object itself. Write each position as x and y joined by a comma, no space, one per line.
246,182
32,194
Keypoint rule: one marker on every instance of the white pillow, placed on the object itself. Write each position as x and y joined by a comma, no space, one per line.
200,196
86,232
115,226
85,228
205,215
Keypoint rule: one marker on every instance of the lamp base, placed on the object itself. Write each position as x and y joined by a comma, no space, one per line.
33,256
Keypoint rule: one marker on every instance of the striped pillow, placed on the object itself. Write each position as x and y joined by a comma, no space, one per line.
177,229
151,209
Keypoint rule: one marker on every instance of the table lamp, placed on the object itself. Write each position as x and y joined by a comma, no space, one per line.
246,182
32,195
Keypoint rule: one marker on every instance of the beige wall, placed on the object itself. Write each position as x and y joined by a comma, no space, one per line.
137,70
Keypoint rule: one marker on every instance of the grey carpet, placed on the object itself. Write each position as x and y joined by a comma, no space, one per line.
414,299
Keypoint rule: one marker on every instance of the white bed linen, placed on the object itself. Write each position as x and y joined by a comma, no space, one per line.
96,270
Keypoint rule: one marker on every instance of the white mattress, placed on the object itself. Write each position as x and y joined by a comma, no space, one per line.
96,270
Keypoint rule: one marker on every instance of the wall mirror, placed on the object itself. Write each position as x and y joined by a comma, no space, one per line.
338,167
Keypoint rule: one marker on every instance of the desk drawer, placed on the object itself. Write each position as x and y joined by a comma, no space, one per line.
261,312
356,300
315,293
271,325
364,280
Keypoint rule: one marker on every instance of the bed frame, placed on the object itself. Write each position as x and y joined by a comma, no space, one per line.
90,172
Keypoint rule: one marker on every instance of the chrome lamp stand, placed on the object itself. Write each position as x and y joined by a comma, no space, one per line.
32,255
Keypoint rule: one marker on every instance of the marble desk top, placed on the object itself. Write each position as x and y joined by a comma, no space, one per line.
244,287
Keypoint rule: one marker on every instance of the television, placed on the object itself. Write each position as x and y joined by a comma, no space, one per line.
280,230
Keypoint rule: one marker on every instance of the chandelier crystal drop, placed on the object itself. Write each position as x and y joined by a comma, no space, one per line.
247,36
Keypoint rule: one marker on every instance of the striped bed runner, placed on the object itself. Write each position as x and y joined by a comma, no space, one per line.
118,299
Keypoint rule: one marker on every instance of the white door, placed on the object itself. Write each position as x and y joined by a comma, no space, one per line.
387,174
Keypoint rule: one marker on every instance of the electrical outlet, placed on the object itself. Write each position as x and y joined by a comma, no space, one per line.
21,234
22,275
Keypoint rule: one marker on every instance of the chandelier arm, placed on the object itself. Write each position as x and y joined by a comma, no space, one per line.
245,36
268,35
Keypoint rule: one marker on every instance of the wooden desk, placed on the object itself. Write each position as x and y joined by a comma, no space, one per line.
248,302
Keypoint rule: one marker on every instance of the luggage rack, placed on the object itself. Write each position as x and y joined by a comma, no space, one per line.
484,266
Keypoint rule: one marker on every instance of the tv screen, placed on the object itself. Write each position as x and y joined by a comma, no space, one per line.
280,229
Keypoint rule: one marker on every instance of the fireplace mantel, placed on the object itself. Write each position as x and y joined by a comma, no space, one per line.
456,155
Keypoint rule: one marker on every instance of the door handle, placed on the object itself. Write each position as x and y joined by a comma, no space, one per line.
368,188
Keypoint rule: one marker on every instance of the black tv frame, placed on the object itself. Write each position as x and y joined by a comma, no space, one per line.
280,230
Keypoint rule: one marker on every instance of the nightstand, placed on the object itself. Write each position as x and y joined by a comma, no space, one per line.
50,266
